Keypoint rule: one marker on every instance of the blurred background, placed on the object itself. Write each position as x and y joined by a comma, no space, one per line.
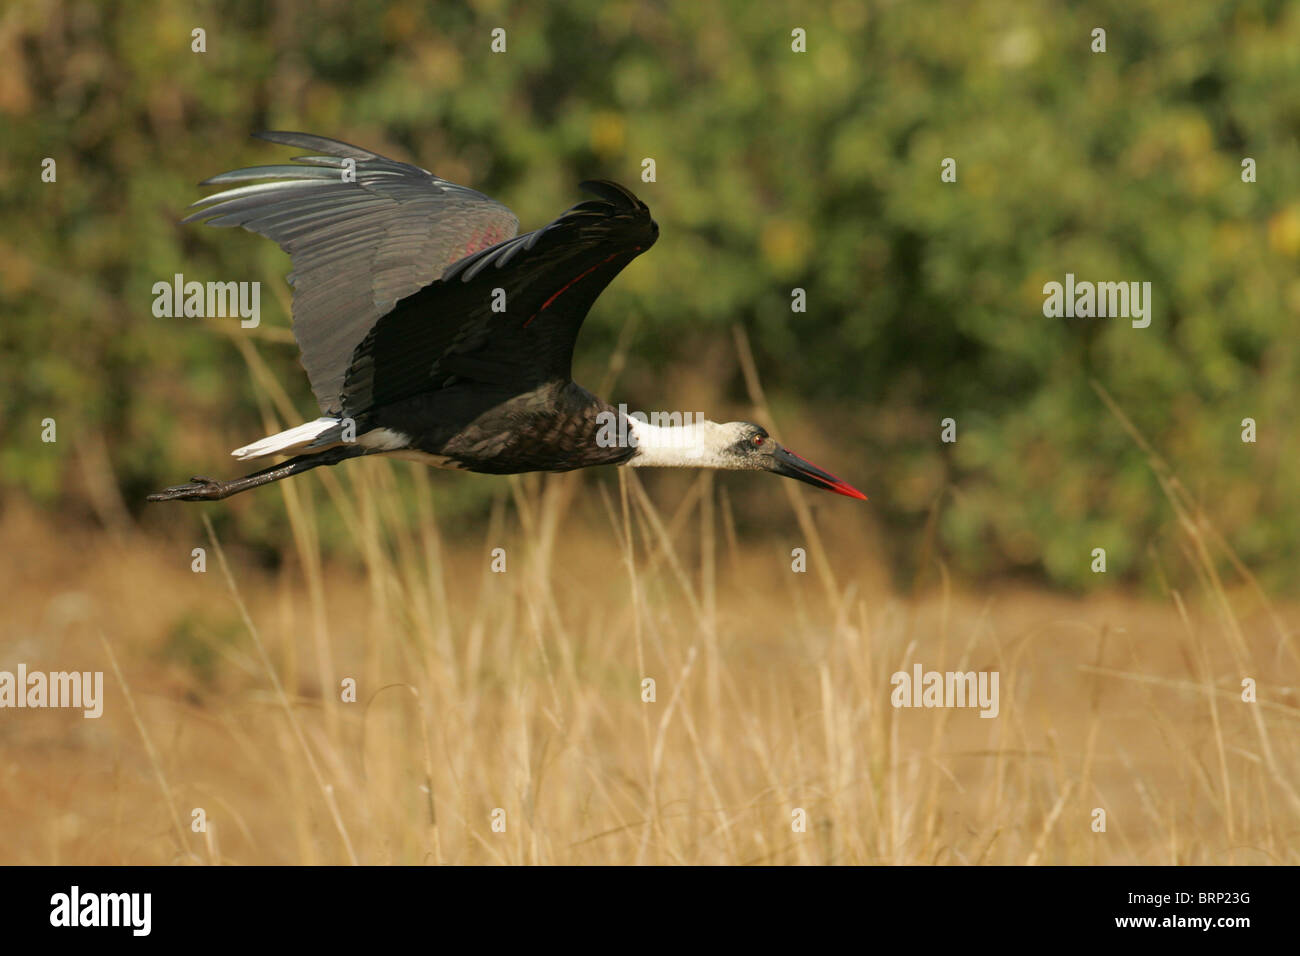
775,170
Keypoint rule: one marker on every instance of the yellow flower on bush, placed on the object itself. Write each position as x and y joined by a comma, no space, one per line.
1284,231
786,244
607,133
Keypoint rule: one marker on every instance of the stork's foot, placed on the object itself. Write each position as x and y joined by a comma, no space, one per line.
198,489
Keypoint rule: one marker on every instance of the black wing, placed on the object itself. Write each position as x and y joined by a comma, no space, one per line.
357,246
449,331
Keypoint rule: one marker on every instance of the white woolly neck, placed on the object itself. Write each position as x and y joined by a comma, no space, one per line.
697,445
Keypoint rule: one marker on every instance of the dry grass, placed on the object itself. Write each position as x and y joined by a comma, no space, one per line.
522,691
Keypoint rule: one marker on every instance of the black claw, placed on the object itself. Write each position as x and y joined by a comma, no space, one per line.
199,489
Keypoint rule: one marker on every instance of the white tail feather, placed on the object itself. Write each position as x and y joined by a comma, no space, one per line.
286,441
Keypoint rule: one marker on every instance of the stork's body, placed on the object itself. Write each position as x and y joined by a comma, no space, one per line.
430,331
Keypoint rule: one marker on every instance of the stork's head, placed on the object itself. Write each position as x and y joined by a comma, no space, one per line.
734,446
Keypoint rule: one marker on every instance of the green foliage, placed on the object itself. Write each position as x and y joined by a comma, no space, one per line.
775,170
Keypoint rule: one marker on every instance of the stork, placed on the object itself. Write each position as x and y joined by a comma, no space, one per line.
430,331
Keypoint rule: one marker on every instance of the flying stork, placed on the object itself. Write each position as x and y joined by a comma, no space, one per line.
410,348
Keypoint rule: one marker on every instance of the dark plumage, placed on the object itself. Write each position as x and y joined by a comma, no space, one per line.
429,330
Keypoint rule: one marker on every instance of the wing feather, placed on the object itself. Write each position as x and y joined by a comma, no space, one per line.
451,331
358,247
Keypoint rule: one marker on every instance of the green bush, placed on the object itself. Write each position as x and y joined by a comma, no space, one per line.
775,170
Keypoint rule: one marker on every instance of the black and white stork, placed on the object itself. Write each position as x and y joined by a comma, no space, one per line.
430,330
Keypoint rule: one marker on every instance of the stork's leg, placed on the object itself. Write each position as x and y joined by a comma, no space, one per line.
210,489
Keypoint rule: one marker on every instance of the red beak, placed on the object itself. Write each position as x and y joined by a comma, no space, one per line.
787,463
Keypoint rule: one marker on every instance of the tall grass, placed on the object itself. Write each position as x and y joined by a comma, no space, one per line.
518,696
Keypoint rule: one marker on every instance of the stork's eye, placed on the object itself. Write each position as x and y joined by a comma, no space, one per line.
757,440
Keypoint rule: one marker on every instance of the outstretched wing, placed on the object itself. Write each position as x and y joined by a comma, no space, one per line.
358,243
507,316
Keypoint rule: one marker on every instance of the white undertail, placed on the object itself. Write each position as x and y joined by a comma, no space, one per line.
286,441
